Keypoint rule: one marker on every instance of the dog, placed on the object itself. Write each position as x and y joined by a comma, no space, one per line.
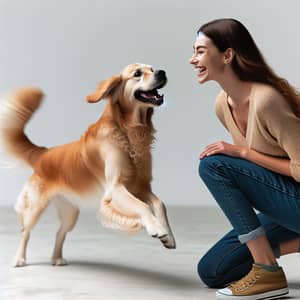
111,161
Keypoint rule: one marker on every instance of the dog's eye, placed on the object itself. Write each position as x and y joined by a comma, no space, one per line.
137,73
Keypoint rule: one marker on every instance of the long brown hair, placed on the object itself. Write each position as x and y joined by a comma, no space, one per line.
248,62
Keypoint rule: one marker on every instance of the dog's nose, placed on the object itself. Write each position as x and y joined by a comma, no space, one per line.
160,74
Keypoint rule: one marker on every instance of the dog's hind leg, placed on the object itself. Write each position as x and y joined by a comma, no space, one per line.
160,212
30,205
68,215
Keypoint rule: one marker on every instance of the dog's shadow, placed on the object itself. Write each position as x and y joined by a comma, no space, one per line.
138,274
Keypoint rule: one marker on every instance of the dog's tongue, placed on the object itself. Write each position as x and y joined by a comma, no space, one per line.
150,94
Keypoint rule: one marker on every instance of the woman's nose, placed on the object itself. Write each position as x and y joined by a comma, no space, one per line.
192,59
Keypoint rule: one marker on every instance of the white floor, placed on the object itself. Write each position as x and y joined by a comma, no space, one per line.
108,265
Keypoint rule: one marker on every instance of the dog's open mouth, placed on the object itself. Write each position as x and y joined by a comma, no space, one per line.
150,96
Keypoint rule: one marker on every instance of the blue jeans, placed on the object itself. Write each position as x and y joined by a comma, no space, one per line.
239,187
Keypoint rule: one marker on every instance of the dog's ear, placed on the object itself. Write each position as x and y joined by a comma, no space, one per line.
105,88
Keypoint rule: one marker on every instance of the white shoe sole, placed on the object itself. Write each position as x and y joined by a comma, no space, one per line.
263,296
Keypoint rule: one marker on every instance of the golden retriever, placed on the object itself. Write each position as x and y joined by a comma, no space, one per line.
111,161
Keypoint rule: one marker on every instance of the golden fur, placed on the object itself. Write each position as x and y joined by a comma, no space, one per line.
111,161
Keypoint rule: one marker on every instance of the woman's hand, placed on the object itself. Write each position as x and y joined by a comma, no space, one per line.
275,164
224,148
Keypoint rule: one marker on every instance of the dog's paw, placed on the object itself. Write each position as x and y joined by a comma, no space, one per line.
19,262
168,241
59,261
155,229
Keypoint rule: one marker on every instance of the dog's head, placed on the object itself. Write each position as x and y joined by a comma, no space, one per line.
137,84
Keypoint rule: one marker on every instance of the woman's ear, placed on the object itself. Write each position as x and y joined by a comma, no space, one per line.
228,55
106,88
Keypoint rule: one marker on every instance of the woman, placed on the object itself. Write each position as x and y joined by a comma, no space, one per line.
260,170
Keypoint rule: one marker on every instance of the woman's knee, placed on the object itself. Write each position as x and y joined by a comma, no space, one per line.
207,272
226,261
210,165
205,165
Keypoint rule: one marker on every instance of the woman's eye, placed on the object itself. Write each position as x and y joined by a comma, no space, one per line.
137,73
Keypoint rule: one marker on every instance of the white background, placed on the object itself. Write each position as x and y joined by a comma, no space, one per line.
67,46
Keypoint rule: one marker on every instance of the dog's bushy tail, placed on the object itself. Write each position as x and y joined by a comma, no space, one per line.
110,217
15,111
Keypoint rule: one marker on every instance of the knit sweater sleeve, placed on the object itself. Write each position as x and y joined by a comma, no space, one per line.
277,117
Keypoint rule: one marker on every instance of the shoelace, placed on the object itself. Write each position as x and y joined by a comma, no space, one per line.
246,282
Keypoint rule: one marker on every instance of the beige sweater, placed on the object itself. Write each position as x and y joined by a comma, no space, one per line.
272,127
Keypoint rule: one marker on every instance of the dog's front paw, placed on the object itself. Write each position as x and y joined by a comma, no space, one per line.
19,262
154,228
59,261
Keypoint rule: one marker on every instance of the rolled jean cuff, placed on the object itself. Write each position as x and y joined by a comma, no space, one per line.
252,235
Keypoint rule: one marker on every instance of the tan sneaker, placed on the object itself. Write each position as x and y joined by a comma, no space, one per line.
257,284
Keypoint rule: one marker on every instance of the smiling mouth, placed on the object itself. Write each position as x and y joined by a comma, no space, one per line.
151,96
200,70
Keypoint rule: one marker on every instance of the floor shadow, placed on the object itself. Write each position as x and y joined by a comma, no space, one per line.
155,277
294,285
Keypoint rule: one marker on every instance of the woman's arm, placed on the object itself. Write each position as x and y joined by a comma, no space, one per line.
275,164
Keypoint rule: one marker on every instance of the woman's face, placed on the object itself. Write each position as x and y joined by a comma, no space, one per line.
207,59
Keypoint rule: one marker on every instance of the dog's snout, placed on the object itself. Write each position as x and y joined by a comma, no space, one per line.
160,74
